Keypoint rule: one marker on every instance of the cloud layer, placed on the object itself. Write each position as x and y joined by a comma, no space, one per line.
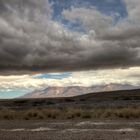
31,41
83,78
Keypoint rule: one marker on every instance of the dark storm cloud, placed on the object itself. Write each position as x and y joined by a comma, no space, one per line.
30,41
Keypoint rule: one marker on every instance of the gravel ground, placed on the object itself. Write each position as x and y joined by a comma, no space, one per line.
70,130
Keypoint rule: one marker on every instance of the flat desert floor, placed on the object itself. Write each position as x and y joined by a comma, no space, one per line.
70,130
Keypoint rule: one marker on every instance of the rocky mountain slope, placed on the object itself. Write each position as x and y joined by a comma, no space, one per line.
74,90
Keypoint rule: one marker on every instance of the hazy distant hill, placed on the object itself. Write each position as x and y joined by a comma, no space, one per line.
74,90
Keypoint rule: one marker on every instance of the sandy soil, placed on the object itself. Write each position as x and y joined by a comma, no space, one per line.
70,130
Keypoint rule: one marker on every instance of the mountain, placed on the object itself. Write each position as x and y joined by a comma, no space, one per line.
59,92
75,90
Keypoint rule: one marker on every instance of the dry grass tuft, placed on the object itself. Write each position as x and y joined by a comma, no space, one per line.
70,113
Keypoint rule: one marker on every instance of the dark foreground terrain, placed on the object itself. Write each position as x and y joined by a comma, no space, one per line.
70,130
123,98
95,116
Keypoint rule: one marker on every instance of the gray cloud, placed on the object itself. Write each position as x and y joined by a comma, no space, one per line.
30,41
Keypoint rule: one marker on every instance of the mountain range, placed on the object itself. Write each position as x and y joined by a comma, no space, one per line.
69,91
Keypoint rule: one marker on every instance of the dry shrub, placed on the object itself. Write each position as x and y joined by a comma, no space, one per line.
7,114
72,113
128,113
51,113
33,114
97,113
86,114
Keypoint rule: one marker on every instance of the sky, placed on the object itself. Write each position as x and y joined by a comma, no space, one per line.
67,43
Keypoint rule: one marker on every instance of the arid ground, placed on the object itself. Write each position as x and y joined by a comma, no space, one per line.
95,116
70,130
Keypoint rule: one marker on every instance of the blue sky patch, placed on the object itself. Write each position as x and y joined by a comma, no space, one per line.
116,8
53,76
4,94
